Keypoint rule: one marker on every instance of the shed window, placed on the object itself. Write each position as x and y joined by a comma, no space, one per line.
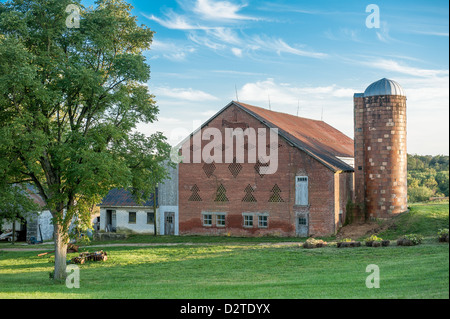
150,218
132,217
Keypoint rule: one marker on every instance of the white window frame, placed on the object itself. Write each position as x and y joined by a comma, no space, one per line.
224,219
266,220
135,217
246,218
205,219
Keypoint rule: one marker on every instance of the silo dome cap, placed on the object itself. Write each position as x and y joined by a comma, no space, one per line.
384,87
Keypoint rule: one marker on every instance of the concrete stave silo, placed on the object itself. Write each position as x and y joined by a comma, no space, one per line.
380,150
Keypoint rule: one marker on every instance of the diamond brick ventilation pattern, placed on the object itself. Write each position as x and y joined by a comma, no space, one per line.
275,197
209,169
235,168
249,198
195,197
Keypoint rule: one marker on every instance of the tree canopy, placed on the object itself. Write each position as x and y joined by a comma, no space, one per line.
70,99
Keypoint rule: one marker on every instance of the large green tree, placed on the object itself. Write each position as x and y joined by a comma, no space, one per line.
70,98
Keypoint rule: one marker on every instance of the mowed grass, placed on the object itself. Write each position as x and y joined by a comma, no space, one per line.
245,270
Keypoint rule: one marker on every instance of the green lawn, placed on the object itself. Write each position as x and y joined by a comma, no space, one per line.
246,269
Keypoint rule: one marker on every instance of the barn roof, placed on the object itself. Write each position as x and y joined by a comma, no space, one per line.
119,197
317,138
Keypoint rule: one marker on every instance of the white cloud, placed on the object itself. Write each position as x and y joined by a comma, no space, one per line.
171,50
220,10
176,22
279,46
184,94
205,41
394,66
237,52
226,35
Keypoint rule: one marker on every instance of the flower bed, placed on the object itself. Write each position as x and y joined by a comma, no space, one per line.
410,240
374,241
348,243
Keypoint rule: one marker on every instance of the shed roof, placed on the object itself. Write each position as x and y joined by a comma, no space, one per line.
119,197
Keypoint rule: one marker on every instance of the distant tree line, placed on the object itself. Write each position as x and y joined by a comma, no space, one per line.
427,177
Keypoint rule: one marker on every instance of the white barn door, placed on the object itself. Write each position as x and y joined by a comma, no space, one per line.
301,190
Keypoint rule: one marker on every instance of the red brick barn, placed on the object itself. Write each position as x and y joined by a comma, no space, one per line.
306,195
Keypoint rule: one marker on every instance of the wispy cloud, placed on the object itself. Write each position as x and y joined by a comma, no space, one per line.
394,66
202,23
434,33
175,21
280,46
220,10
383,33
171,50
188,94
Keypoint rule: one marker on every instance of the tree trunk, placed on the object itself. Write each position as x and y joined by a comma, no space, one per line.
61,242
154,212
13,231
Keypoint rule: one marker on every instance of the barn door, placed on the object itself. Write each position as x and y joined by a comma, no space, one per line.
301,190
302,225
169,223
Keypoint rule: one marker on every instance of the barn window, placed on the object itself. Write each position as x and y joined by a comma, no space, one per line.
263,221
220,220
150,218
301,190
132,218
302,221
207,219
248,220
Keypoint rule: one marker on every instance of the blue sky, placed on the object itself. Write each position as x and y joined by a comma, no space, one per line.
308,57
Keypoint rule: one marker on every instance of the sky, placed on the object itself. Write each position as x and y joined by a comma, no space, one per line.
297,57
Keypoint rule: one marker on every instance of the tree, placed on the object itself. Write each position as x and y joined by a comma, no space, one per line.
70,99
419,194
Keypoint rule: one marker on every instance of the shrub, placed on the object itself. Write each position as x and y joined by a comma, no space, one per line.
374,238
410,240
314,243
443,232
348,242
419,194
375,241
443,235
